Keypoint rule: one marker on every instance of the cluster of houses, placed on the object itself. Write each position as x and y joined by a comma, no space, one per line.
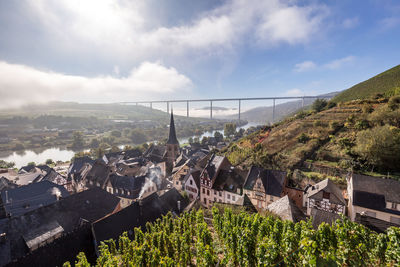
44,210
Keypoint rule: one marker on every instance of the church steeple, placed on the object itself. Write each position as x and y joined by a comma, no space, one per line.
172,140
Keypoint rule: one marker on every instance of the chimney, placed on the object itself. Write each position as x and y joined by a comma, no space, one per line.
179,205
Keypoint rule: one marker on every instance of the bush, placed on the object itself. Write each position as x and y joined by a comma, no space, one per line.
361,125
319,104
331,104
49,162
367,108
394,102
303,138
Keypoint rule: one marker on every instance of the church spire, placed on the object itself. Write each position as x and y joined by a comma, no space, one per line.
172,134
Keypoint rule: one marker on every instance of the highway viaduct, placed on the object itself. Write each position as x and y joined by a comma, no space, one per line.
212,100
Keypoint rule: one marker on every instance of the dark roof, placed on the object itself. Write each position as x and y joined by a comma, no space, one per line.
52,176
328,186
155,153
228,180
371,201
137,214
77,166
172,140
286,209
44,168
6,184
70,213
213,165
131,153
374,224
389,188
131,184
319,216
196,177
273,180
99,173
27,168
26,198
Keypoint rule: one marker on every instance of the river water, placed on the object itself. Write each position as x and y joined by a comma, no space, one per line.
22,158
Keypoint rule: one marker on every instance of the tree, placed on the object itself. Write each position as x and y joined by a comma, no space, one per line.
204,140
94,143
77,140
319,104
49,161
219,137
31,163
116,133
137,136
6,165
229,129
380,146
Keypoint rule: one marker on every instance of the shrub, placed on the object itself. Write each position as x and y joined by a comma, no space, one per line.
394,102
361,125
303,138
367,108
331,104
319,105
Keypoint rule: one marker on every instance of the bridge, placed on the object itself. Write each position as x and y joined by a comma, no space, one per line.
212,100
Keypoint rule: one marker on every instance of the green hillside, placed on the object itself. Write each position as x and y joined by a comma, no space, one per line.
386,83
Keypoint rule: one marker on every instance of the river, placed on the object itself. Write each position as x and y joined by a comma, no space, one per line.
22,158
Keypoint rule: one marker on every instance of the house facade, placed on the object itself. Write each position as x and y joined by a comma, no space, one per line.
263,187
192,184
374,197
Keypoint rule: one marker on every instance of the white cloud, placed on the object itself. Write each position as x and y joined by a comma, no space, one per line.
389,22
294,92
21,85
338,63
350,22
122,28
304,66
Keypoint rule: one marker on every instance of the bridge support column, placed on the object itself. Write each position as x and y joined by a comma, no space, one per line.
167,107
211,115
273,110
151,105
187,109
302,102
239,108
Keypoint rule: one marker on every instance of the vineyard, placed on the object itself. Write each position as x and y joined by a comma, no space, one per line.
241,239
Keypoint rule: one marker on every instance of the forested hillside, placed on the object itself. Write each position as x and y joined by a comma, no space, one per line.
241,239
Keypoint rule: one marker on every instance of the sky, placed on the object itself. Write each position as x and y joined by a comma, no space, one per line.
105,51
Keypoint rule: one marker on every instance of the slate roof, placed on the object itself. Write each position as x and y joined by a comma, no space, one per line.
132,153
273,180
228,180
213,165
172,134
137,214
286,209
78,164
319,216
6,184
27,178
328,186
389,188
99,173
372,201
196,177
374,224
30,197
131,184
44,232
27,168
70,213
155,153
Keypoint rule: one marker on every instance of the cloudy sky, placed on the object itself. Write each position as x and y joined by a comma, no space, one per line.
120,50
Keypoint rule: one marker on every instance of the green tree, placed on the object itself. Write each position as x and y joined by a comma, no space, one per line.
229,129
6,165
77,140
380,146
49,161
31,163
137,136
319,104
219,137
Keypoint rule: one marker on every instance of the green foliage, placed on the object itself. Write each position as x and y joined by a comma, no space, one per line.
77,140
219,137
7,165
49,161
394,102
319,105
361,125
229,129
386,83
303,138
380,146
242,239
31,163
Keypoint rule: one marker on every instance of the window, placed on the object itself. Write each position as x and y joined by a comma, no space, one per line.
394,206
228,196
233,198
191,182
326,195
205,200
215,199
208,192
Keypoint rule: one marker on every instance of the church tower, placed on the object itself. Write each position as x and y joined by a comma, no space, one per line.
172,145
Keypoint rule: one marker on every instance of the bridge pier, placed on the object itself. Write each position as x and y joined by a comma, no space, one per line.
302,102
273,110
168,107
151,105
211,114
239,108
187,109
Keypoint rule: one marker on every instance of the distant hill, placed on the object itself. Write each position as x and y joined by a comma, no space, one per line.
386,83
264,114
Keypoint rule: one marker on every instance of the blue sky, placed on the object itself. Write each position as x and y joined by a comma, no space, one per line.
110,51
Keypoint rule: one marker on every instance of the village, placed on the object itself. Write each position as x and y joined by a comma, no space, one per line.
44,210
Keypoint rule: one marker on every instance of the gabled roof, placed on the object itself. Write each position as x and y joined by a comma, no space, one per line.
319,216
27,168
172,140
155,153
6,184
389,188
26,198
78,164
273,180
137,214
131,184
131,153
213,165
196,177
328,186
228,180
286,209
372,201
99,173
